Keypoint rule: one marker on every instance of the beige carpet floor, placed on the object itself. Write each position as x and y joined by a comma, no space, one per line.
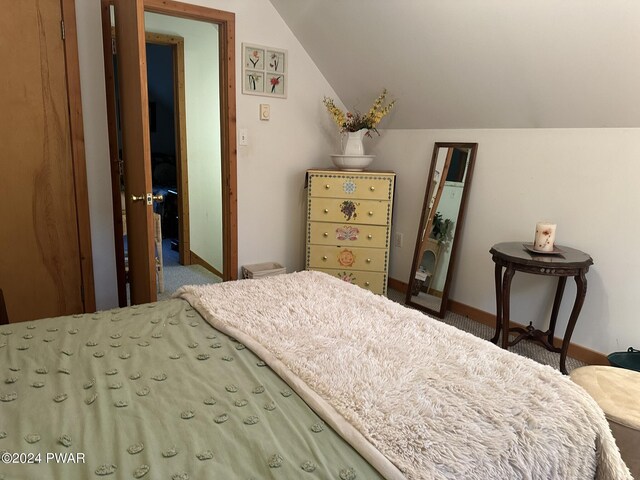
176,275
525,348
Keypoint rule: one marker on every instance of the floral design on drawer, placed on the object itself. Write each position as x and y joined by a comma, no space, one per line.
347,233
348,209
346,258
349,186
347,277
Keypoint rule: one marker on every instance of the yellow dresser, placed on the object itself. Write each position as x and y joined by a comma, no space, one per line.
349,225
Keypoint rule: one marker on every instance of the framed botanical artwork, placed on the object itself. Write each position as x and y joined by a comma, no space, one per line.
264,71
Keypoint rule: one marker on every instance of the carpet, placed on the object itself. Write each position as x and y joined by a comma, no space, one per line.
527,349
176,276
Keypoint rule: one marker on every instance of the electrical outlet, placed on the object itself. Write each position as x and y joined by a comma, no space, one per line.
243,137
397,241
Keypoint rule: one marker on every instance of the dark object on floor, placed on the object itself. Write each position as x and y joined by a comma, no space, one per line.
170,221
629,359
4,317
175,246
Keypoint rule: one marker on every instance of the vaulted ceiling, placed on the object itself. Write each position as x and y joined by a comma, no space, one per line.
478,63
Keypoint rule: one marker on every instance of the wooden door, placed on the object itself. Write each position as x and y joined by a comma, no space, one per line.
133,20
136,156
42,257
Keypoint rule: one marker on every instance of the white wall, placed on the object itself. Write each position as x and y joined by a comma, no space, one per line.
582,179
94,111
300,135
202,103
270,169
479,64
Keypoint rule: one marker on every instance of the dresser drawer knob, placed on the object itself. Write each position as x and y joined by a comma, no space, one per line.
366,284
369,236
372,188
326,210
324,258
325,234
327,186
368,260
370,213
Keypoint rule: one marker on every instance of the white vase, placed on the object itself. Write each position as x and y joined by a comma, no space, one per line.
354,145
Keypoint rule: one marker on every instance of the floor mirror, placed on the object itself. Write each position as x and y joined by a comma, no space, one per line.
440,228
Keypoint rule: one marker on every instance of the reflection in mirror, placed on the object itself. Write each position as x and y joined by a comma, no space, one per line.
439,233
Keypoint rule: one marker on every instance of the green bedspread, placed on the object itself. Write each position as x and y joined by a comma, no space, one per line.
154,389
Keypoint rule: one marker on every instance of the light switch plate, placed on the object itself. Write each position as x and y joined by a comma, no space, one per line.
265,111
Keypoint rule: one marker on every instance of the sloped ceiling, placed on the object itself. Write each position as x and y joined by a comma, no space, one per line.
479,63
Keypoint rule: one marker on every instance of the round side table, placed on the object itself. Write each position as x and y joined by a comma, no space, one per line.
516,257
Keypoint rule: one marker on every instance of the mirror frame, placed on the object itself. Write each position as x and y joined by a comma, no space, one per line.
473,149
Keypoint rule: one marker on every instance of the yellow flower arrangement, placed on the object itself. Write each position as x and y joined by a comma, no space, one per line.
352,122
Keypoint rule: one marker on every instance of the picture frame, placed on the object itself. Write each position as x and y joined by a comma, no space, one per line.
264,71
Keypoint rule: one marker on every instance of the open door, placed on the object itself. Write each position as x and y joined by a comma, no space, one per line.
131,157
136,157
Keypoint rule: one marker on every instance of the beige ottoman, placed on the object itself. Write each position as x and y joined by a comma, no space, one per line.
617,391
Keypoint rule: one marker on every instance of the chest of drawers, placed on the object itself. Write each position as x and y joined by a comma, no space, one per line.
349,225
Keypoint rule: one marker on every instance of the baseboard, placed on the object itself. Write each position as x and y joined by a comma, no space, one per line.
578,352
196,260
397,285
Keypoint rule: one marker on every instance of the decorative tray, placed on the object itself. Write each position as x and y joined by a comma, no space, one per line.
529,247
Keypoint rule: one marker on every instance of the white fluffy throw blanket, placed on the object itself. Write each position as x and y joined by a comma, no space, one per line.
417,398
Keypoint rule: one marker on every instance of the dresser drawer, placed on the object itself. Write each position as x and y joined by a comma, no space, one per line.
373,281
371,212
347,258
356,235
350,186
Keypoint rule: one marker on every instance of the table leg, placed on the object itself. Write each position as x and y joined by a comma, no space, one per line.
498,276
562,281
506,293
581,292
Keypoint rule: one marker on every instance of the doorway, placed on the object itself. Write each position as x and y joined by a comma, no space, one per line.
195,175
167,125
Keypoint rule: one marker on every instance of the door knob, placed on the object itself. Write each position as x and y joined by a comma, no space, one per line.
148,198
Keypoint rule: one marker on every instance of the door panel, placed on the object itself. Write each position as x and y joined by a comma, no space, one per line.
225,54
39,236
134,115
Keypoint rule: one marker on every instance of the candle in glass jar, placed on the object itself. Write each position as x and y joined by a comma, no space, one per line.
545,237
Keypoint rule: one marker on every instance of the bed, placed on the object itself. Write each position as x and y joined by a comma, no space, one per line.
294,376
